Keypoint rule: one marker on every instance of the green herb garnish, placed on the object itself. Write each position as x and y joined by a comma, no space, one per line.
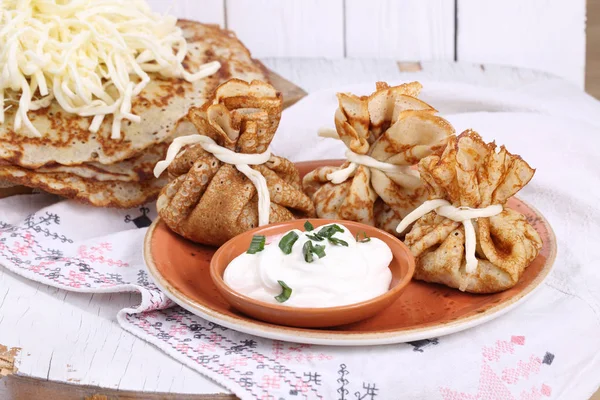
308,226
319,250
257,244
314,237
337,242
329,231
365,238
285,294
287,242
309,249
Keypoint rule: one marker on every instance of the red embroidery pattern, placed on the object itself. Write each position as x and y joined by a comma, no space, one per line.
271,381
300,353
502,347
21,249
546,390
523,370
76,279
535,393
491,386
182,347
301,386
238,362
96,254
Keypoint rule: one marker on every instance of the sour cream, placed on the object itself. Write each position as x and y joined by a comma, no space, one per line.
344,275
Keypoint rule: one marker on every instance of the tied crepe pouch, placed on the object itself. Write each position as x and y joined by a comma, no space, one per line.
470,173
209,201
392,130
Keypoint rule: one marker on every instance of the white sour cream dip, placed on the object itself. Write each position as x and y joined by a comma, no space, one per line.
345,275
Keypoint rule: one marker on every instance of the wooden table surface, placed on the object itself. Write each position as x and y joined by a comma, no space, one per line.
73,338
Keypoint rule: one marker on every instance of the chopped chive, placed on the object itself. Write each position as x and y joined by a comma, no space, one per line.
307,251
365,238
319,250
337,242
308,226
329,231
285,294
287,242
257,244
315,237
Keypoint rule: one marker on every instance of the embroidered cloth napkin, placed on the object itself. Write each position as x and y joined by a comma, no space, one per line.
548,347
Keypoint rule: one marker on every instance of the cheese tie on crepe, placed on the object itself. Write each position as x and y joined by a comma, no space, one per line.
458,214
242,162
355,159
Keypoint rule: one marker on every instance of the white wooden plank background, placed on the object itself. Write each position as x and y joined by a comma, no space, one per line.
548,35
208,11
401,29
542,34
285,28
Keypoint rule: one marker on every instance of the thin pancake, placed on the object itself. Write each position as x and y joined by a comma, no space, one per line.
68,141
97,193
7,184
136,169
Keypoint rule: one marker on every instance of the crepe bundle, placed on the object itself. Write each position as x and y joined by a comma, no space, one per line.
214,194
74,162
385,133
464,236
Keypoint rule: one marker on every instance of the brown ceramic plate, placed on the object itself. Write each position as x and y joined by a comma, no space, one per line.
424,310
402,268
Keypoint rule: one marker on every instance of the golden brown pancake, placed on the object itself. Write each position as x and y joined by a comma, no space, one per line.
136,169
391,126
93,168
68,141
471,173
97,193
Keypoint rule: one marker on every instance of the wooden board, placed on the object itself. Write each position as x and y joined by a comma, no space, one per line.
592,63
7,189
22,388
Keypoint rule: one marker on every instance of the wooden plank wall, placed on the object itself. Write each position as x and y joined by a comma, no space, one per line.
542,34
414,30
547,35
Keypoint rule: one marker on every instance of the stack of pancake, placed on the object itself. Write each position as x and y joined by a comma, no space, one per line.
71,161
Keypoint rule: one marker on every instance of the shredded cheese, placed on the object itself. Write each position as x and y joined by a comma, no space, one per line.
242,162
328,133
344,174
91,56
458,214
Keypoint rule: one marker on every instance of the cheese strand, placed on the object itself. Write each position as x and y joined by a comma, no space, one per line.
465,215
242,162
355,159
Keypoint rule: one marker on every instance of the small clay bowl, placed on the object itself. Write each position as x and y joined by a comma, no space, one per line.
402,267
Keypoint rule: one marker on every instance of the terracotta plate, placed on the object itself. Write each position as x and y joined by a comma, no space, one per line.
181,269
